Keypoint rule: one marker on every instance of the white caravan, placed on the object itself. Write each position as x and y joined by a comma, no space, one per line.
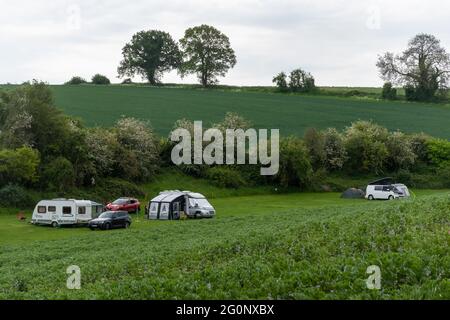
63,212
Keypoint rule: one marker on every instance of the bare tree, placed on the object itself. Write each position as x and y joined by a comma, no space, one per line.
424,67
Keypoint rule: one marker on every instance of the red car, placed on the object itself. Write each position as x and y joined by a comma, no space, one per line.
130,205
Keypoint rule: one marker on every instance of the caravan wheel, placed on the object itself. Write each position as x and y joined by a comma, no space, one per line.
55,224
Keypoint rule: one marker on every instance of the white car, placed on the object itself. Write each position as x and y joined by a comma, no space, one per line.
379,192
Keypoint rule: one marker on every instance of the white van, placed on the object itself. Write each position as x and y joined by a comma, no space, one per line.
63,212
382,192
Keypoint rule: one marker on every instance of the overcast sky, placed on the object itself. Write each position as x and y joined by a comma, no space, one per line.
338,41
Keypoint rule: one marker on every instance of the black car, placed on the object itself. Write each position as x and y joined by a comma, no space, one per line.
111,220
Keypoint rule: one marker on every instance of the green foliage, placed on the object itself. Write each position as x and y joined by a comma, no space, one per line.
19,166
400,151
207,52
15,196
225,177
422,67
76,81
295,167
100,80
58,175
439,152
150,54
335,152
389,92
315,143
301,81
137,156
366,148
281,82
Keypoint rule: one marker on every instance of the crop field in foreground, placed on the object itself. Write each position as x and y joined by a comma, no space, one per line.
102,106
297,246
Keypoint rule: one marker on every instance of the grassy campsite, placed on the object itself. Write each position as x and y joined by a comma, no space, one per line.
145,190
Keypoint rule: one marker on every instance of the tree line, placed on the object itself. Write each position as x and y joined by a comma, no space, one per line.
423,69
41,148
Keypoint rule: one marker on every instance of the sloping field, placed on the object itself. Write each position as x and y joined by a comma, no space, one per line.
292,114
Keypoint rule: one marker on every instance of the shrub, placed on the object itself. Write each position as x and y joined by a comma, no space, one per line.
76,81
100,79
389,92
138,154
315,143
335,152
19,166
410,93
295,167
281,82
225,177
58,175
400,152
15,196
439,152
365,145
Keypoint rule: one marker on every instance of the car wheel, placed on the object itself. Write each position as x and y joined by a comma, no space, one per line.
127,225
55,224
371,198
107,226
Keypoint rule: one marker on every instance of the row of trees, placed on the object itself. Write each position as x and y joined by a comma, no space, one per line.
299,81
204,51
40,147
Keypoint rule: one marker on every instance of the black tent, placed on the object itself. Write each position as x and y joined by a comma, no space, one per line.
353,194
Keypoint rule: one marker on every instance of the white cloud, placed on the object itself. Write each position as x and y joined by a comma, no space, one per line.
338,41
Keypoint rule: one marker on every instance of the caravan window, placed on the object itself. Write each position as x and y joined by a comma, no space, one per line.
42,209
67,210
81,210
52,209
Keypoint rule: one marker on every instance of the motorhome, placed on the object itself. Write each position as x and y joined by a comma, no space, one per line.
63,212
171,205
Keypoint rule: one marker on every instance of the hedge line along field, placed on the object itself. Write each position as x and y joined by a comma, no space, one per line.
295,253
293,114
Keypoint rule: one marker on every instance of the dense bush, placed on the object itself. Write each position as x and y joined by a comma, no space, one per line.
400,152
280,81
301,81
19,166
389,92
225,177
439,152
366,148
76,81
100,79
315,143
15,196
58,175
335,152
295,167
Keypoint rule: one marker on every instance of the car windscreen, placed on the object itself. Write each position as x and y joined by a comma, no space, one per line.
120,201
106,215
201,203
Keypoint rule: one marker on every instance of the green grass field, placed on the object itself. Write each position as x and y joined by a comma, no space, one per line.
297,246
292,114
